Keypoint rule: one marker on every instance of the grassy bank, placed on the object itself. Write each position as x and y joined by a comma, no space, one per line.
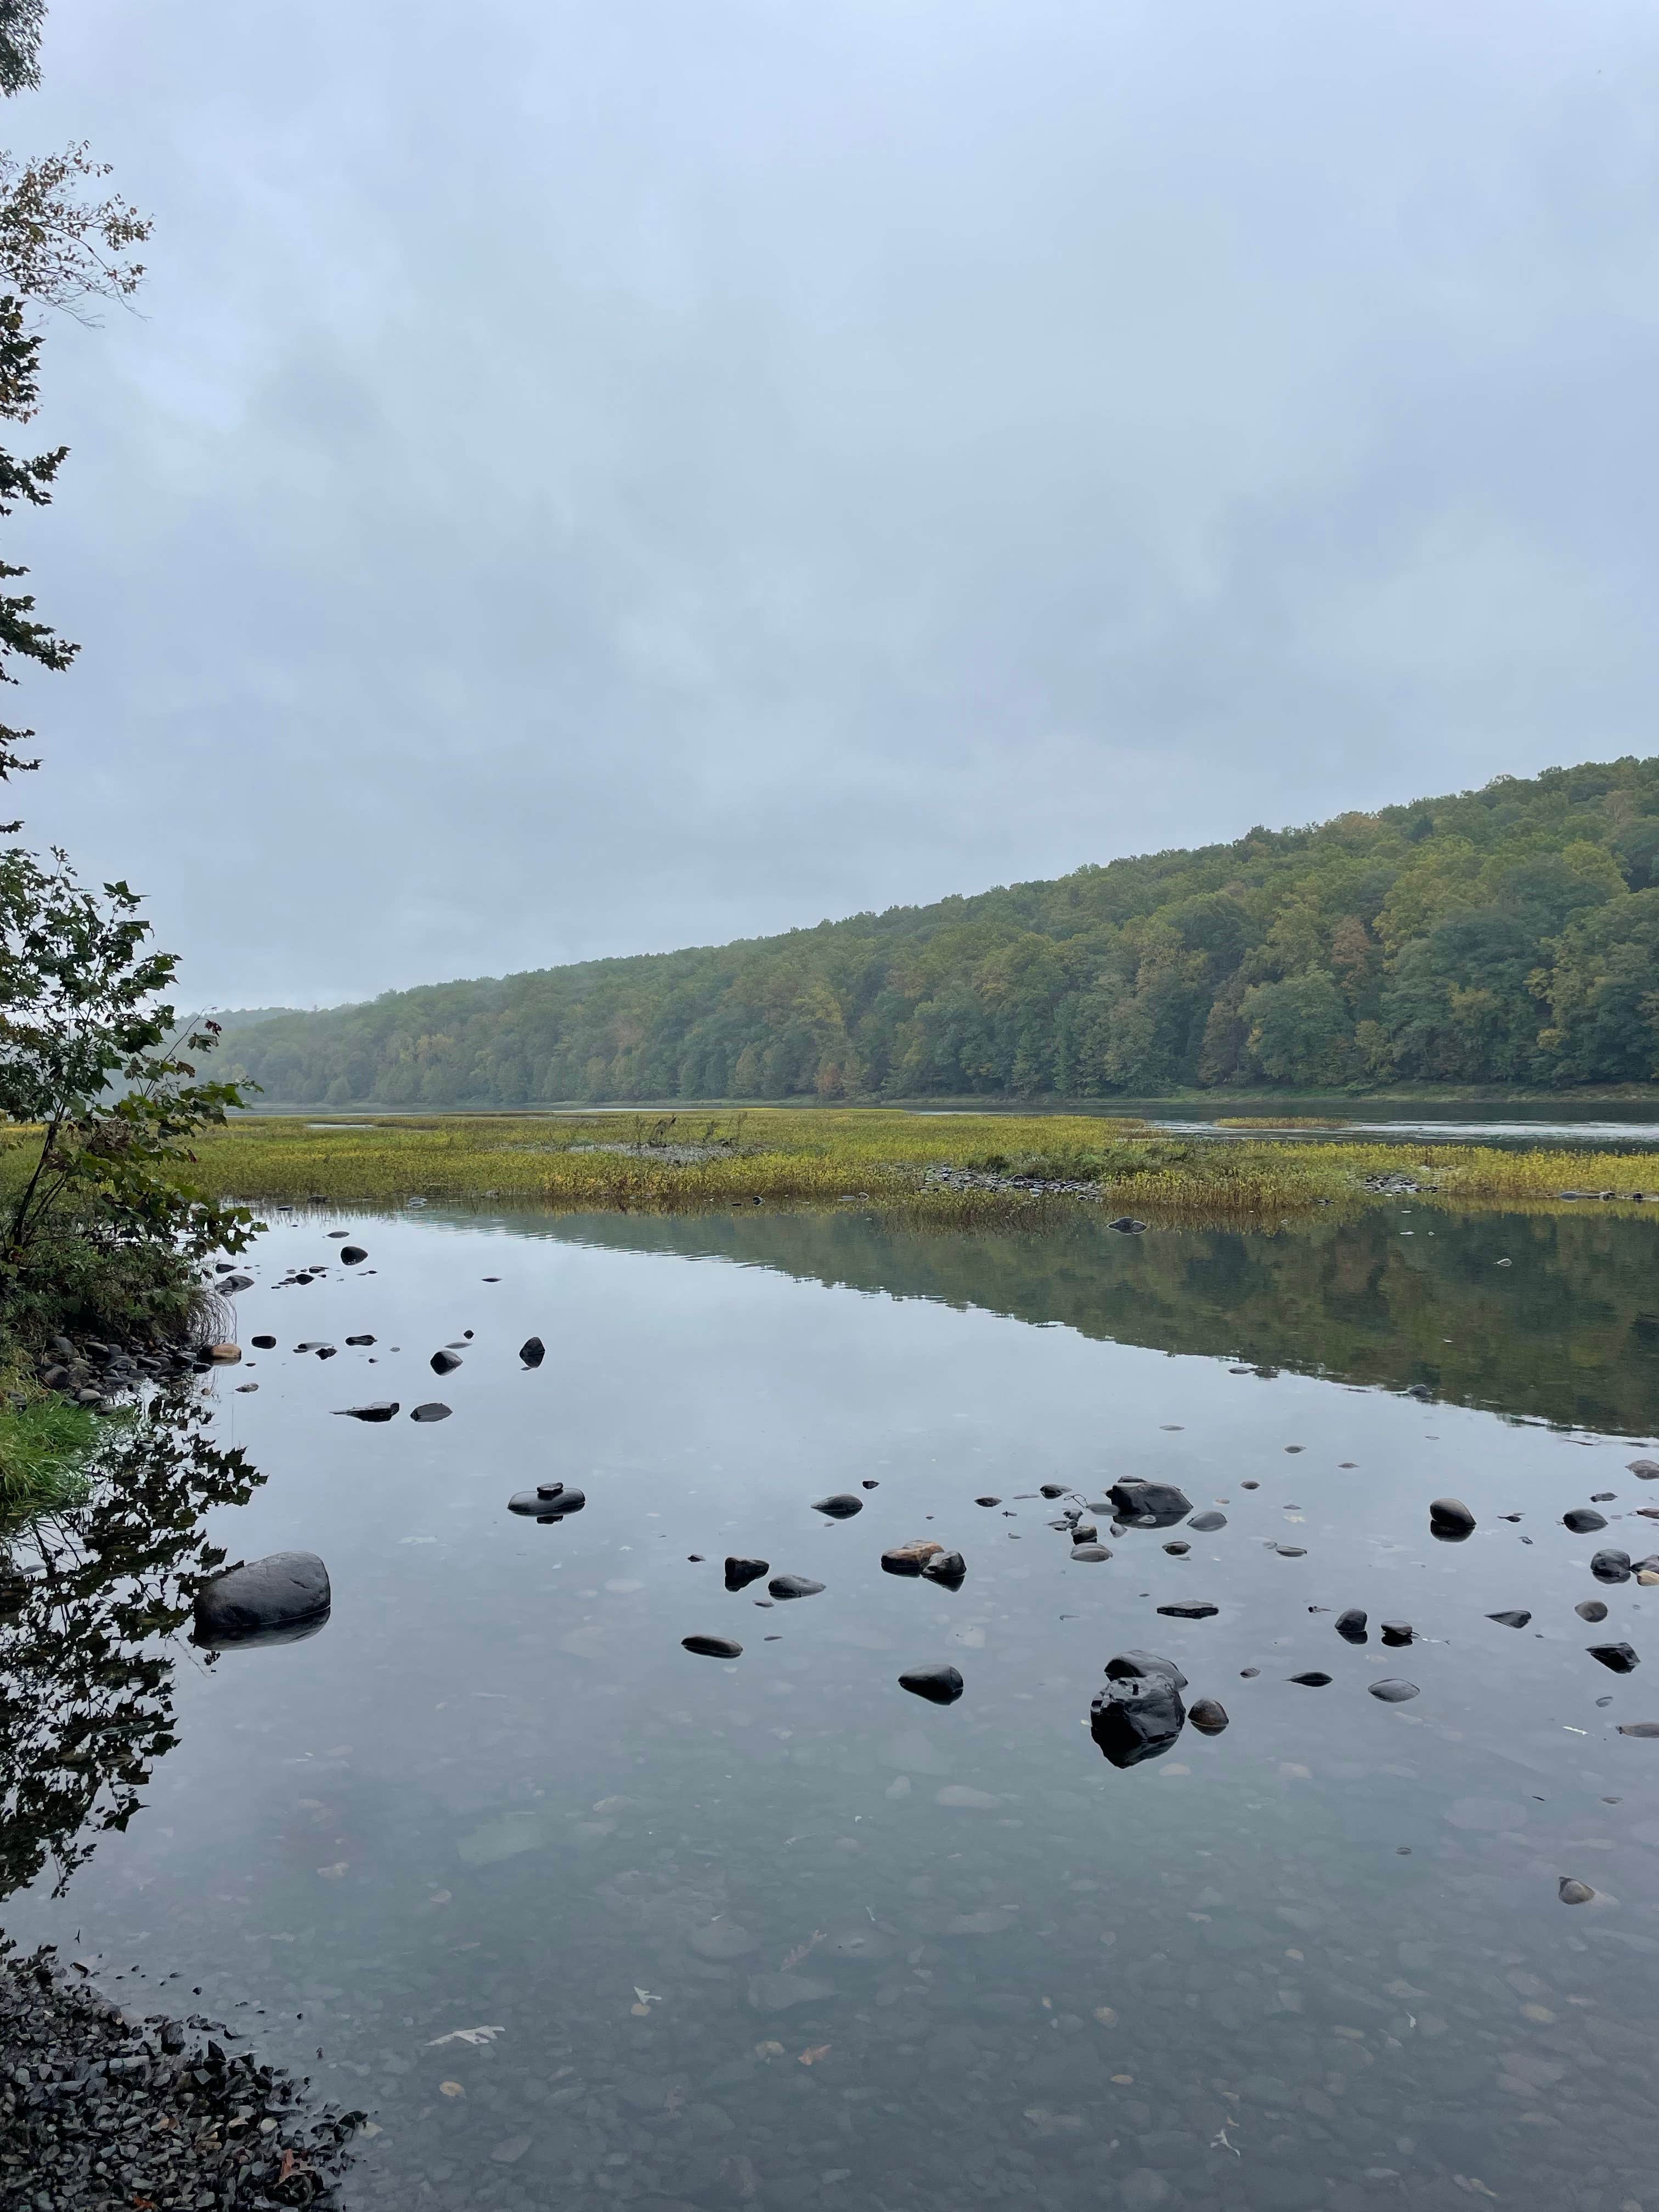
47,1447
877,1157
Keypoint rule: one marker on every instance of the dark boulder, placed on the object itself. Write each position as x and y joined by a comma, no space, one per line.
230,1284
1127,1225
794,1586
360,1340
1583,1521
548,1501
433,1410
1644,1470
1618,1657
383,1409
1313,1680
444,1362
353,1254
1144,1666
909,1558
532,1351
1136,1718
1351,1625
1398,1631
1450,1520
1611,1566
1208,1717
1392,1691
1190,1610
1051,1489
1590,1608
712,1647
739,1573
1205,1522
274,1600
947,1567
1148,1504
840,1507
264,1343
1090,1555
940,1686
1509,1619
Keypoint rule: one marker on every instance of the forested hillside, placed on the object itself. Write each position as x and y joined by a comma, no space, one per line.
1506,935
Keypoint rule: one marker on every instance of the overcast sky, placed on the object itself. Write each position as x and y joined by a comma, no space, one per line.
595,477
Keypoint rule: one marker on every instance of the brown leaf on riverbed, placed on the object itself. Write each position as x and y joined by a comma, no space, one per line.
810,2057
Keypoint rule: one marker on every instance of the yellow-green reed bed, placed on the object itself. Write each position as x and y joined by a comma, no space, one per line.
877,1157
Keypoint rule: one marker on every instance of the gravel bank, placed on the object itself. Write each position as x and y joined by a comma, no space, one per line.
100,2109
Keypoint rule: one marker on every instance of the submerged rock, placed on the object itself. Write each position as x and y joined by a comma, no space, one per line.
1398,1631
273,1599
353,1254
1051,1489
778,1992
940,1686
722,1940
1618,1657
1208,1716
1573,1893
842,1507
1137,1718
1509,1619
1205,1522
713,1647
909,1559
1644,1470
382,1409
1090,1555
1392,1691
794,1586
1127,1225
1450,1519
444,1362
947,1567
1351,1625
548,1501
1148,1504
1178,1547
1584,1520
1590,1608
987,1501
1190,1610
1144,1666
1639,1728
433,1410
739,1573
1611,1566
1313,1680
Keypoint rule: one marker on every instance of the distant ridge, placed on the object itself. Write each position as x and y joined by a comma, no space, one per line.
1509,935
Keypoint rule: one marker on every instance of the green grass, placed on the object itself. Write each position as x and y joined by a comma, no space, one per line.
877,1157
47,1447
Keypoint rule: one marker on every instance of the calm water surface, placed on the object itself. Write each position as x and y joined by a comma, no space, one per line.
582,1917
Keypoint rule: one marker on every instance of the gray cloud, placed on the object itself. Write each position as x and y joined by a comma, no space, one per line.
589,480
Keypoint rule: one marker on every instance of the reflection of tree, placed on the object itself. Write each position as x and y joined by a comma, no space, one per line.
86,1602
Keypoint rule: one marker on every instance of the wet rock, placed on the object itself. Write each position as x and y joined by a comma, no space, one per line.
1083,1532
1144,1666
224,1355
1611,1566
739,1573
794,1586
1509,1619
1148,1504
1137,1718
1292,1551
548,1501
1313,1680
1639,1728
1618,1657
722,1940
264,1600
1127,1225
353,1254
909,1559
712,1647
1351,1625
380,1409
444,1362
1450,1519
1051,1489
1208,1716
1392,1691
840,1507
940,1686
1178,1547
1590,1608
1090,1555
1190,1610
947,1567
1645,1470
1205,1522
1584,1520
1398,1631
1573,1893
987,1501
360,1340
1420,1391
433,1410
230,1284
778,1992
532,1351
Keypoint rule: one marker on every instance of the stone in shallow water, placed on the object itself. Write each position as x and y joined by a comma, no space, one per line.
1136,1718
909,1559
1051,1489
794,1586
1611,1566
840,1507
1090,1555
712,1647
1131,1666
1190,1610
1313,1680
1573,1893
548,1501
1449,1518
357,1340
987,1501
940,1686
1127,1225
1178,1547
353,1254
1618,1657
1509,1619
947,1567
382,1409
1205,1522
1351,1625
1392,1691
268,1343
1398,1631
444,1362
1584,1520
1590,1608
721,1940
1638,1727
532,1351
265,1600
741,1572
1148,1504
778,1992
1645,1470
1208,1716
433,1410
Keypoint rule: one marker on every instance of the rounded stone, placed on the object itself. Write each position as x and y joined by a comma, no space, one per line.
714,1647
940,1685
840,1507
1392,1691
1450,1519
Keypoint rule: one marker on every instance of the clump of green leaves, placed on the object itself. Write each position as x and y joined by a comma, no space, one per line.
47,1447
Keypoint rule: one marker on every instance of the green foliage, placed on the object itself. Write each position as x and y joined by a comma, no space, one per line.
1497,936
86,1059
46,1449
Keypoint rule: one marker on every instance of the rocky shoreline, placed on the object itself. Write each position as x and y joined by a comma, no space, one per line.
102,2109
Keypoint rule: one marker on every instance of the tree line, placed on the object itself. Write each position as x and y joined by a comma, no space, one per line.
1508,935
